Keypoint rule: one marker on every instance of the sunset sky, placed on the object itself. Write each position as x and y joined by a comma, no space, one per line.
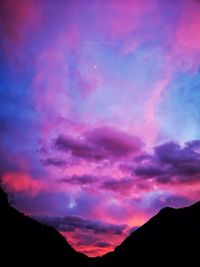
99,113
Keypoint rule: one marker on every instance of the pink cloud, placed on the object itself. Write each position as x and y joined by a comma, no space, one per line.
93,245
19,19
151,125
119,19
21,182
100,144
187,36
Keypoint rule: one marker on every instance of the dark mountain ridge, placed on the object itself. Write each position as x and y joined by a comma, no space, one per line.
171,238
24,241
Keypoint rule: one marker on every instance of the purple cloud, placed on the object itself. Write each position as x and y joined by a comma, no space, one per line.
99,144
115,142
121,186
54,162
116,185
79,179
102,244
71,223
171,163
168,200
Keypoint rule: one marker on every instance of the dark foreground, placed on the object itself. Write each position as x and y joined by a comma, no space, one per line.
171,238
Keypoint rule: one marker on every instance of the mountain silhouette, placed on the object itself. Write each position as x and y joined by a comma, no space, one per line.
171,238
23,241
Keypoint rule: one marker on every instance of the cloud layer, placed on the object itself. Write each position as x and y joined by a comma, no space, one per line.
99,113
99,144
71,223
172,163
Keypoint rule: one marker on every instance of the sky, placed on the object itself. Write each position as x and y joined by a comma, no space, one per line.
99,113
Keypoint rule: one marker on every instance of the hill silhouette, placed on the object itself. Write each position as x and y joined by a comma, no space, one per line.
171,238
24,241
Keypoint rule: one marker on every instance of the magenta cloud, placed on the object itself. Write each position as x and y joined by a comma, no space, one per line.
100,144
171,163
70,223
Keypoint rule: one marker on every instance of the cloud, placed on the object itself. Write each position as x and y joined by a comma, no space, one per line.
114,141
171,163
71,223
46,202
21,182
121,186
99,144
89,239
168,200
60,163
79,179
78,148
85,238
92,244
152,202
102,244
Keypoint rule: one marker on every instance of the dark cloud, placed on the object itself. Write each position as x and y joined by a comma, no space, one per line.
174,201
78,148
122,185
153,202
171,163
85,238
44,202
117,185
79,179
71,223
102,244
54,162
90,239
149,171
115,142
99,144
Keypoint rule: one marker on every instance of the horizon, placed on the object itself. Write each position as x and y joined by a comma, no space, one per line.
6,201
99,113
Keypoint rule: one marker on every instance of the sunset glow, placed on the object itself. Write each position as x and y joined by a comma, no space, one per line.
99,113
